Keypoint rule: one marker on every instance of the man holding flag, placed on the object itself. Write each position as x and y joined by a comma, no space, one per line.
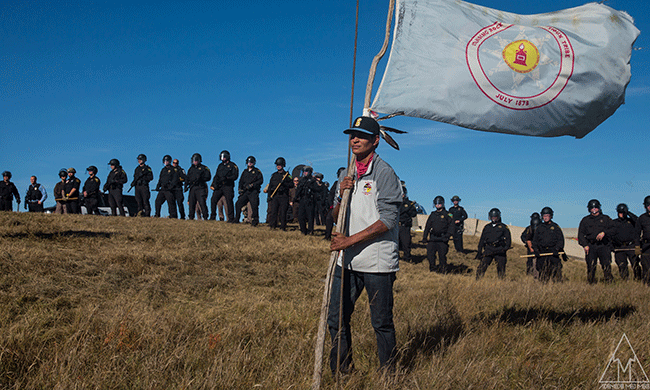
370,250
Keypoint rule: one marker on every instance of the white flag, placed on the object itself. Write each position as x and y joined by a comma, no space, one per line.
560,73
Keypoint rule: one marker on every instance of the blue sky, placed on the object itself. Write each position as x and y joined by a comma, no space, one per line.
87,81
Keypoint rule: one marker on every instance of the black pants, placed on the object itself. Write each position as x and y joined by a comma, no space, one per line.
621,257
306,216
405,241
254,198
228,193
180,199
645,265
198,194
34,207
162,197
73,206
437,247
499,258
458,238
92,205
278,211
6,205
329,224
115,201
142,196
549,268
602,253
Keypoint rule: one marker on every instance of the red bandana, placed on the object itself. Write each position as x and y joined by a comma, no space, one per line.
363,168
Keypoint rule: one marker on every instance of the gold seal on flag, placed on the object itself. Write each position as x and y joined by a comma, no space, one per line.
521,56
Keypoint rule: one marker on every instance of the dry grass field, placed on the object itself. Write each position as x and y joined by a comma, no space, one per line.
134,303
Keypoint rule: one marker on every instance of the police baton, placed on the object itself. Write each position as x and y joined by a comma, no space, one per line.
543,254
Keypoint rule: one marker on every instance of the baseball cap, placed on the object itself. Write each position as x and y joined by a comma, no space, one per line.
364,124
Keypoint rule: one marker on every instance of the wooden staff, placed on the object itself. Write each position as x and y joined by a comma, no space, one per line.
543,254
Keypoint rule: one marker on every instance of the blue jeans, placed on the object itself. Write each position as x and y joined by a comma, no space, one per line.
379,287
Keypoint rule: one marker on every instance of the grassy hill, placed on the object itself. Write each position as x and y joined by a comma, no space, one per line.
131,303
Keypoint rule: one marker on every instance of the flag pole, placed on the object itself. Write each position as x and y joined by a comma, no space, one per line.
320,339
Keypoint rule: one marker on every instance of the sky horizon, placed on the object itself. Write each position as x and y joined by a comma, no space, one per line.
85,82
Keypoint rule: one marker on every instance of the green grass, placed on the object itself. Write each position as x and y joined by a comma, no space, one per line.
132,303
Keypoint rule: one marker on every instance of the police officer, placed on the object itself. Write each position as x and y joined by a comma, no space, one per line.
223,184
197,176
71,192
59,193
320,199
527,238
141,178
91,191
329,219
305,199
624,242
8,192
114,184
494,243
595,234
407,212
165,187
250,183
35,196
458,215
643,232
437,232
177,189
548,238
278,190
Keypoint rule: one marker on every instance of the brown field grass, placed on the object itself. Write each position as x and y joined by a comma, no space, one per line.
133,303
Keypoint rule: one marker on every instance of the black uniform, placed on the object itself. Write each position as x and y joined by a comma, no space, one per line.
177,189
72,202
34,194
329,218
279,186
91,199
589,228
114,184
165,187
8,192
197,177
549,238
493,245
643,231
437,232
250,183
406,214
320,202
306,203
458,213
624,241
141,178
223,184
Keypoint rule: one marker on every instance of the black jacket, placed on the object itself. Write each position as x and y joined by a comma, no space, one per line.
495,239
91,187
591,226
282,181
116,179
439,226
198,176
625,231
142,176
251,180
8,191
407,212
548,237
227,173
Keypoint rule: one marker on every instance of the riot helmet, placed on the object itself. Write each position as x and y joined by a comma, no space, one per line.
224,155
622,209
593,204
281,161
646,201
307,168
495,212
318,175
455,197
251,159
63,172
547,210
92,169
72,170
142,157
438,200
114,162
6,173
196,157
167,158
